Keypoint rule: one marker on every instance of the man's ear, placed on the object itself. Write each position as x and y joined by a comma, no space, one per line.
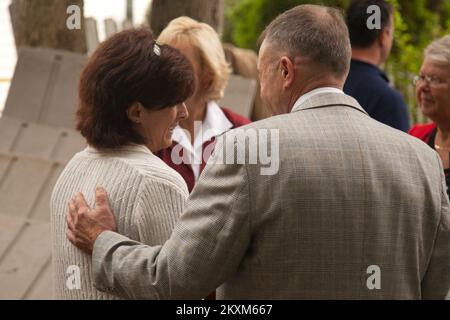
287,71
134,112
384,37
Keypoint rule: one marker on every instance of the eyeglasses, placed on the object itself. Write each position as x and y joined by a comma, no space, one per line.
431,81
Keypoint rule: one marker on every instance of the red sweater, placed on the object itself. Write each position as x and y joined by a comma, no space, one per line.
427,132
185,170
423,131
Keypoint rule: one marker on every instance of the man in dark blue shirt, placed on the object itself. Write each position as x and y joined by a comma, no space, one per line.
371,45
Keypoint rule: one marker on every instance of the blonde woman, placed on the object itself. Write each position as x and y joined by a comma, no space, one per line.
194,138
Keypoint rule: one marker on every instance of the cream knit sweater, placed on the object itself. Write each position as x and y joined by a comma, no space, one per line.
146,196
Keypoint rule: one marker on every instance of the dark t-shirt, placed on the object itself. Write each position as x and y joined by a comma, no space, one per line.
370,87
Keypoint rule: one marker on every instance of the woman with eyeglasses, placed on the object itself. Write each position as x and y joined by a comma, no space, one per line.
433,94
131,98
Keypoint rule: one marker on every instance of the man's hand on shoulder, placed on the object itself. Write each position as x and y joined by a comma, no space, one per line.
86,224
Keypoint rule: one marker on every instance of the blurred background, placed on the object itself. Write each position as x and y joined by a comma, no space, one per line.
417,23
97,9
239,21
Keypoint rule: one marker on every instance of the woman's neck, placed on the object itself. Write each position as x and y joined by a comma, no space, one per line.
442,146
444,135
443,127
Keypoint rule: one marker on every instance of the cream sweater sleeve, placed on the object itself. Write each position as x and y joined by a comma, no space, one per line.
160,204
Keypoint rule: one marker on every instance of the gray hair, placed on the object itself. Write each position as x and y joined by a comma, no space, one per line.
313,31
439,51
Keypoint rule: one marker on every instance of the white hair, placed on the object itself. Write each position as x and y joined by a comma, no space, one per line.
439,51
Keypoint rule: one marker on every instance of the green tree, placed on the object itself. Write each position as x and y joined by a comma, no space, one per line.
246,19
162,12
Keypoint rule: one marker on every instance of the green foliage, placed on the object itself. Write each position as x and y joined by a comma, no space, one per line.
246,19
417,22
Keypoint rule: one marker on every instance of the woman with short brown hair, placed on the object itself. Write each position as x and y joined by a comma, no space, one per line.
131,94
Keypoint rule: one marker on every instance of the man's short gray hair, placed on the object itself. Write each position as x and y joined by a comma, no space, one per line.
313,31
439,51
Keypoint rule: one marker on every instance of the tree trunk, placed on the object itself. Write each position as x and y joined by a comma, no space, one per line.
129,16
208,11
42,23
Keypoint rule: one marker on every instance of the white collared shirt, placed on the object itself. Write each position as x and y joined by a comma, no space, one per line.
312,93
214,124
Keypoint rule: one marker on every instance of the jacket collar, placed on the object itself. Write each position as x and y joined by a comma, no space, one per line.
327,99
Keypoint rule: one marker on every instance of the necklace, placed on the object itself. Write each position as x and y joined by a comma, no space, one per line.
438,147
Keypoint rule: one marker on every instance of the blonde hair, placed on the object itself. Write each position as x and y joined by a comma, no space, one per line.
439,51
205,39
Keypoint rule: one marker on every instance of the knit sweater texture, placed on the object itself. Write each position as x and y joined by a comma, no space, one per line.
146,196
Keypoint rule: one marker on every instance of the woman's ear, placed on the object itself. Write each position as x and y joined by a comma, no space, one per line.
134,112
205,73
206,80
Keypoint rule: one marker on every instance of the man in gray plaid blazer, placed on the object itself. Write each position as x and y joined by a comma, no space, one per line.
354,209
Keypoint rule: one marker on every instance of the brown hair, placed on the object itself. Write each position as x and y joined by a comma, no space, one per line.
129,67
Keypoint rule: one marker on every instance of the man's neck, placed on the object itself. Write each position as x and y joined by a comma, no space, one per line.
313,85
370,55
